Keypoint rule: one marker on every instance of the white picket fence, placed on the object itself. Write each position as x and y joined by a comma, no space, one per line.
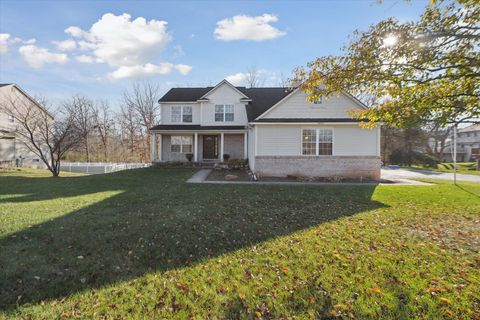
99,167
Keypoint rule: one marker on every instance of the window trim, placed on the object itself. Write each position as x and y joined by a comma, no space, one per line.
182,113
317,142
224,112
181,144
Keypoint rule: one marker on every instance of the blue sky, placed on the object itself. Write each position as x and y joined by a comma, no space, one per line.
177,43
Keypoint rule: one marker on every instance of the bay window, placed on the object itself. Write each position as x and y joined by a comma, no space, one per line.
224,113
181,114
317,142
181,144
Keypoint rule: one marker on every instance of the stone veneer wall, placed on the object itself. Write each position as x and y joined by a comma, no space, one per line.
319,166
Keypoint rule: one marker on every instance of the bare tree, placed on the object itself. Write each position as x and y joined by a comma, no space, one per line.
142,101
104,124
47,138
254,78
82,110
130,130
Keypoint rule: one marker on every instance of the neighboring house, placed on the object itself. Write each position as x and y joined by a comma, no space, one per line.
276,129
468,145
13,151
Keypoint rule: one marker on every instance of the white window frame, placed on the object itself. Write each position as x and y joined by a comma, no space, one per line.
182,114
11,118
182,144
224,112
317,142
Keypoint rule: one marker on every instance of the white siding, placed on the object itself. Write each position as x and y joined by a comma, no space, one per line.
348,140
297,106
224,94
278,140
353,140
166,115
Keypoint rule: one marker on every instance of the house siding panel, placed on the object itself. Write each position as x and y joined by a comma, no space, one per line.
166,113
348,140
279,140
224,95
297,106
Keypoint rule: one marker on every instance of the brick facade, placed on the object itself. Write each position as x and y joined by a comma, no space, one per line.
319,166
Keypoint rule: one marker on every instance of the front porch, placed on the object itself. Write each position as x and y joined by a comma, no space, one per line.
205,146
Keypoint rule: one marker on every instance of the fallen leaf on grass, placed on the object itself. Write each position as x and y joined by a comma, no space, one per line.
377,290
445,300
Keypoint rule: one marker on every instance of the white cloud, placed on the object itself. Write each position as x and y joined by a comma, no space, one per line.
183,68
38,57
237,79
119,41
75,32
65,45
242,27
29,41
4,37
149,69
85,59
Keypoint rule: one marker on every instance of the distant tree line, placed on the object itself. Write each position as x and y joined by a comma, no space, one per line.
115,136
83,129
411,145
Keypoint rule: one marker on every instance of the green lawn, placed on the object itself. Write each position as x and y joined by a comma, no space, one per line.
462,167
143,244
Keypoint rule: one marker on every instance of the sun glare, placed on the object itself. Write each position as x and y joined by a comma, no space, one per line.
390,40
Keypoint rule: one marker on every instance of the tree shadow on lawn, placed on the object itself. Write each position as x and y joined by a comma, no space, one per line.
157,223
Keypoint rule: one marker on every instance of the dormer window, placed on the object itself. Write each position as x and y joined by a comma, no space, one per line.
224,113
181,114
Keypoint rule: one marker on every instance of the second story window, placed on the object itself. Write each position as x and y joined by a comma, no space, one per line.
11,118
224,113
181,114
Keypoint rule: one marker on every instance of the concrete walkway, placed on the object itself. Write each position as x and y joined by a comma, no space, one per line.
403,173
200,176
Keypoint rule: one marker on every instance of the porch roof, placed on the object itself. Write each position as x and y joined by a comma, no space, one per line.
190,127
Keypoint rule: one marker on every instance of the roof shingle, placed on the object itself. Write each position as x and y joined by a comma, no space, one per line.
262,98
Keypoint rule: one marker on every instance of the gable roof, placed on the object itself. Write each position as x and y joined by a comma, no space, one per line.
261,98
26,95
184,94
228,84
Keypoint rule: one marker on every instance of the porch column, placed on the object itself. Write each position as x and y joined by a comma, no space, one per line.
160,147
195,147
152,146
221,146
245,146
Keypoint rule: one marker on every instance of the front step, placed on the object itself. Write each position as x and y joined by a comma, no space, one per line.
208,164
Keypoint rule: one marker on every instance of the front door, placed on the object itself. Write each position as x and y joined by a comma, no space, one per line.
210,147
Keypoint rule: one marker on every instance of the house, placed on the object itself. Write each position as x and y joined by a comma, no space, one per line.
468,145
276,129
13,149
